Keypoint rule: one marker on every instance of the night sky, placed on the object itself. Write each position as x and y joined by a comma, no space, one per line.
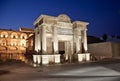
103,15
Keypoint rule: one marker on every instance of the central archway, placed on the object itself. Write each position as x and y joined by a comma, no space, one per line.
64,48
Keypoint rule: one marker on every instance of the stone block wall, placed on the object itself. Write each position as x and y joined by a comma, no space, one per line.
104,50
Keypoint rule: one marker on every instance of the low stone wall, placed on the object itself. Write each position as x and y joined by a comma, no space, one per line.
104,50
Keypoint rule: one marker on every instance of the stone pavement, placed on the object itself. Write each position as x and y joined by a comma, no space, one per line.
97,71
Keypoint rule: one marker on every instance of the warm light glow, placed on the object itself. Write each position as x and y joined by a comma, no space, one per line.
73,35
23,43
6,36
23,36
13,44
14,36
1,35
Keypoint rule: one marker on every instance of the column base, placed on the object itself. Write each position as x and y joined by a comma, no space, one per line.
46,59
83,57
37,59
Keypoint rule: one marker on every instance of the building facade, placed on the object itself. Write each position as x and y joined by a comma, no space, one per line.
58,36
13,43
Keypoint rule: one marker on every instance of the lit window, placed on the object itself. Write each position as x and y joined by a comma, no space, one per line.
23,37
3,36
14,37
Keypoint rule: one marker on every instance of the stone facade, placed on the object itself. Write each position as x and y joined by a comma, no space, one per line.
56,34
13,43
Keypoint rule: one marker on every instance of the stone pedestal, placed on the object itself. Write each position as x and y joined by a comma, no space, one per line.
83,57
57,58
46,59
37,59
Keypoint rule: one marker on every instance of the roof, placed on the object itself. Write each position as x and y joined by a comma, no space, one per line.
26,29
9,30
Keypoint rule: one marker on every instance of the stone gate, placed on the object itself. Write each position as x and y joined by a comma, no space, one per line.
58,36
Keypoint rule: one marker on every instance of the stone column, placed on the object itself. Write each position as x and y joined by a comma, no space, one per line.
66,51
44,49
77,41
36,41
39,39
55,46
55,40
85,40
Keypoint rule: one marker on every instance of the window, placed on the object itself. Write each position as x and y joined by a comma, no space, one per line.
14,37
3,36
23,37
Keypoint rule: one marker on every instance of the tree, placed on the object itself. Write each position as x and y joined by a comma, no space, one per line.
105,37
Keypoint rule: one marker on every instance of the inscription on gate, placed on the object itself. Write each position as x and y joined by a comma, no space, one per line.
65,31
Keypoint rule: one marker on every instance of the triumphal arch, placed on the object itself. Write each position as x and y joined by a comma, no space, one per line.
57,37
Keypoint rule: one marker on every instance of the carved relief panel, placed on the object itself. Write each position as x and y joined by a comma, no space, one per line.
48,29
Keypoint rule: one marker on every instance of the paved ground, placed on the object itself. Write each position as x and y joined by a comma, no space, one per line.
100,71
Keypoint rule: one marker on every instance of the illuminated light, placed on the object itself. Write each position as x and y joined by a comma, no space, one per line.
11,36
55,48
1,35
25,37
12,44
84,56
38,59
6,35
66,56
87,56
80,57
23,43
46,59
34,65
57,58
35,58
